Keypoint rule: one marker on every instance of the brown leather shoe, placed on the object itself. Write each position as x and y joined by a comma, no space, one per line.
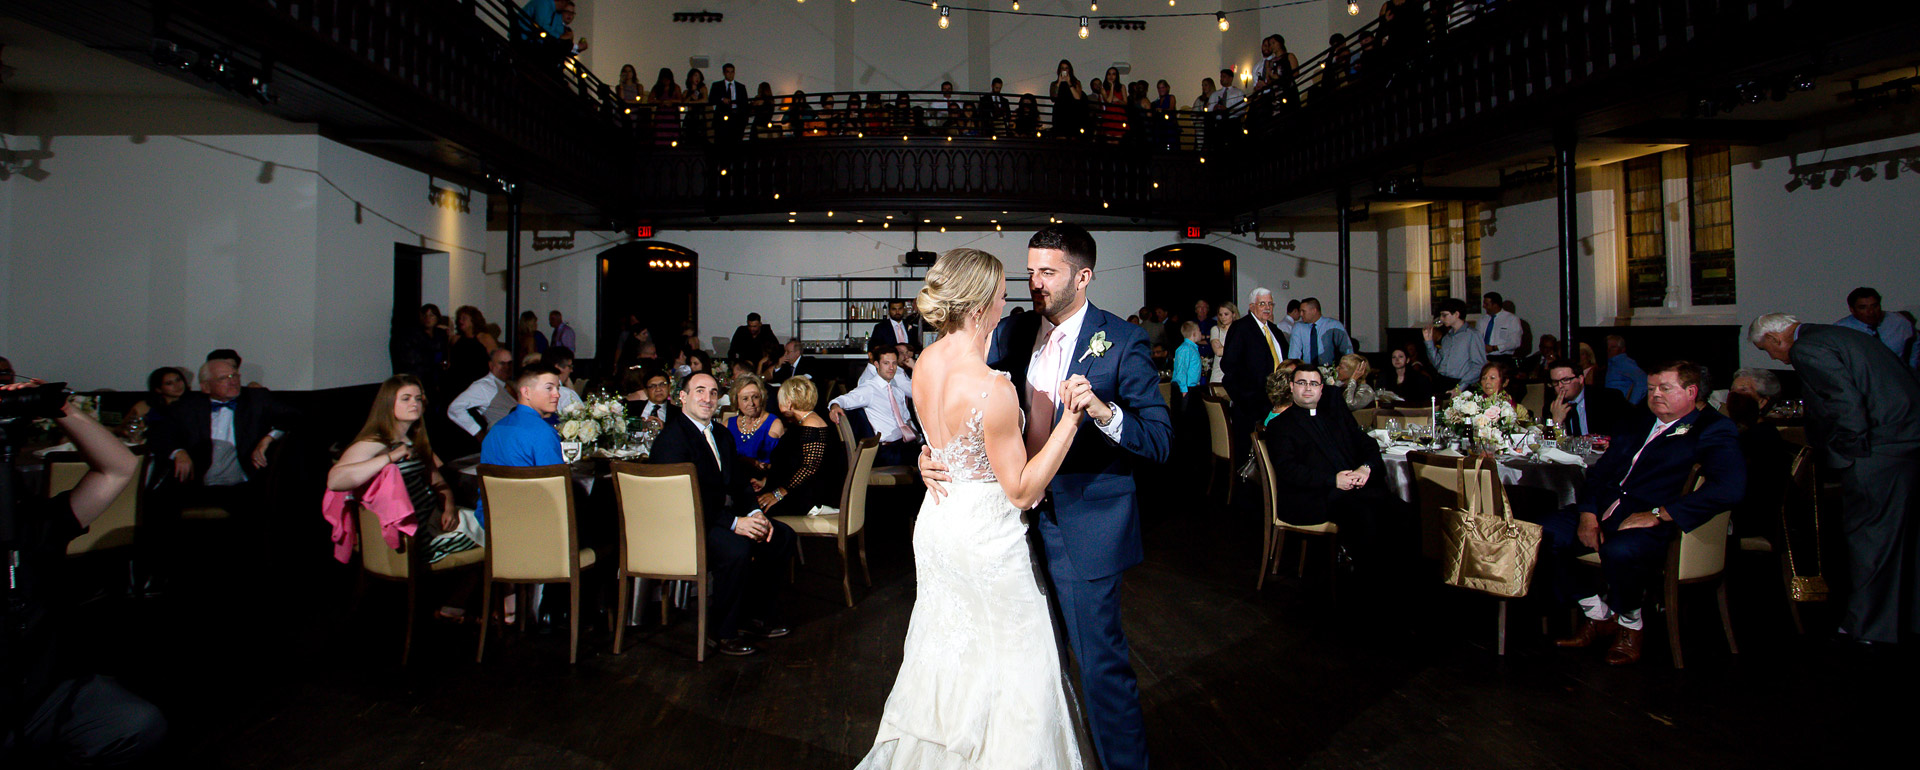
1626,647
1589,631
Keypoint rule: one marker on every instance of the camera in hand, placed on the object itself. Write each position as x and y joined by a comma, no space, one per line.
46,400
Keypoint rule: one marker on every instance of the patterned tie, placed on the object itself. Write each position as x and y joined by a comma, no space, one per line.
1635,461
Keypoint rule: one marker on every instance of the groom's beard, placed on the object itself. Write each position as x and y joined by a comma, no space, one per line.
1054,304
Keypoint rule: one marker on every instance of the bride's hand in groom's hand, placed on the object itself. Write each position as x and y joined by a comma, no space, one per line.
933,473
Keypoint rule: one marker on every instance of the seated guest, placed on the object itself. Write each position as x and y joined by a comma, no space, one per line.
1496,379
1635,502
1408,379
54,708
808,465
231,356
395,435
699,362
560,360
1534,367
528,339
794,362
1760,387
756,432
745,549
1623,373
1350,378
1327,469
655,403
164,386
884,401
1769,456
1580,410
752,340
1280,391
490,398
218,439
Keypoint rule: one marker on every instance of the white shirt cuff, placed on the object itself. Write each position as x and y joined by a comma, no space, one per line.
276,434
1112,429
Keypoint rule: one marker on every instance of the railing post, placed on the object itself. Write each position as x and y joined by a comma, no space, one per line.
1563,142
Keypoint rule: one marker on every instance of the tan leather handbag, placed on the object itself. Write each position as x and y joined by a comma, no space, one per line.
1487,550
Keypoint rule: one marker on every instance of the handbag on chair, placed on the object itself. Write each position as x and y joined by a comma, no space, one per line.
1487,550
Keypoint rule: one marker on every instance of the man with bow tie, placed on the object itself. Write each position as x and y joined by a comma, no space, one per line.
216,441
1635,502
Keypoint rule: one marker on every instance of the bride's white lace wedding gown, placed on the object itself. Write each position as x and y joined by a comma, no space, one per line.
981,685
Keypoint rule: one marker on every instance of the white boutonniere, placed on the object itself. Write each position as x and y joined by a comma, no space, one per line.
1097,346
1680,430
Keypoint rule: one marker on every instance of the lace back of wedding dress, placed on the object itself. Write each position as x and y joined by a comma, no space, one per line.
966,454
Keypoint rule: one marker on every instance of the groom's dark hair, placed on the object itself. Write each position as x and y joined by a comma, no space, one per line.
1070,238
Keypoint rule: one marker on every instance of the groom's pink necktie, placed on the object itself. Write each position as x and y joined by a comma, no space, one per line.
1042,378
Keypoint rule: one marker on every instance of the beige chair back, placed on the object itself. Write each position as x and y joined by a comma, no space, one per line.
1366,417
530,526
662,527
1405,416
847,442
116,525
1269,486
1222,443
853,495
1535,399
1703,552
1166,392
375,555
1794,434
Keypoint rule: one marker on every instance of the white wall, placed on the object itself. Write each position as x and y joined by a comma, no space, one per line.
140,252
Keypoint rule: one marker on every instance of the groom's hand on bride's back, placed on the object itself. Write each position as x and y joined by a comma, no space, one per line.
933,473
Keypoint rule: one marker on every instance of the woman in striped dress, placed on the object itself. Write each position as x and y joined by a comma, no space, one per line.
395,434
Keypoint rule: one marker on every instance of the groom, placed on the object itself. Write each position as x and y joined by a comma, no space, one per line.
1089,521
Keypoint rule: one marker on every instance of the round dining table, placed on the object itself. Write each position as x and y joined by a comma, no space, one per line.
1526,476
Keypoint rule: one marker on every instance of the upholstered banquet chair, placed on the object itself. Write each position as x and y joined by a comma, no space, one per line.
1437,482
1791,555
663,535
850,521
1277,527
532,538
116,525
1220,442
407,565
1699,556
883,475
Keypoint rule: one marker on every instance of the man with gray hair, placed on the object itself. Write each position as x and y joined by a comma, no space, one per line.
1255,347
1863,419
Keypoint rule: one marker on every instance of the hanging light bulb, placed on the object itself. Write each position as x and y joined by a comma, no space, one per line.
1083,28
1169,3
1353,9
1223,20
1016,5
944,13
1096,6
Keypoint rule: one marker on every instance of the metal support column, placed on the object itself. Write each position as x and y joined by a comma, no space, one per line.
1343,201
1563,142
510,326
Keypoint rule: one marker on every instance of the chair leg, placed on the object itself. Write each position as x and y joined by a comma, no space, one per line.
573,620
1726,618
663,601
1501,646
1266,555
1301,571
865,574
846,573
1230,479
1279,547
700,636
1673,620
486,617
623,585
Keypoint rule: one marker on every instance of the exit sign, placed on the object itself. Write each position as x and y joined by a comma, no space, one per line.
1194,231
643,231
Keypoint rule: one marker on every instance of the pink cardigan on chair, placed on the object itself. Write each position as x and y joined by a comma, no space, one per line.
386,496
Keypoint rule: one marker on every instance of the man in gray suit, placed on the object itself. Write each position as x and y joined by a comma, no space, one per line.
1863,418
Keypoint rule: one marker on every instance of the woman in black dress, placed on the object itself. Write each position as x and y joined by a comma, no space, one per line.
1407,379
809,466
467,359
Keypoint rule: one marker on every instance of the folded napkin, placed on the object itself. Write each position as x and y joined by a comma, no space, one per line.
823,510
1380,435
1555,455
1398,450
57,448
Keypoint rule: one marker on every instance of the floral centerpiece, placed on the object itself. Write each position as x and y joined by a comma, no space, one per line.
600,418
1484,421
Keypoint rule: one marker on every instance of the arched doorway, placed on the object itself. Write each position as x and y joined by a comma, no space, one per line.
1179,275
657,283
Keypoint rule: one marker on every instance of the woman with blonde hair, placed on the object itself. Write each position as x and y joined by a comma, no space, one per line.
808,466
981,656
1217,338
1280,389
1351,377
756,432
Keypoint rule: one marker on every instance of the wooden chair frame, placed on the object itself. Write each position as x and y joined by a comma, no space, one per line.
1219,432
1671,582
699,579
562,471
1276,530
849,492
1497,499
417,569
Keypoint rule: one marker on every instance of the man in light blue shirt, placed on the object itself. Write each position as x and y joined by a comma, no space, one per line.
1895,331
1623,373
1186,359
1461,354
1318,339
545,15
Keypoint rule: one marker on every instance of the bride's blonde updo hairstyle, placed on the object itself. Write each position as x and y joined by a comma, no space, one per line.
961,283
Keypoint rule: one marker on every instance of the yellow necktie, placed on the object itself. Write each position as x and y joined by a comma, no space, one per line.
1268,333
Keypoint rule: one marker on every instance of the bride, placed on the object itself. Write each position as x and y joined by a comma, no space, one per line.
981,684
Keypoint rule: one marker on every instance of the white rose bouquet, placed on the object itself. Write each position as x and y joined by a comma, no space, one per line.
1483,420
599,416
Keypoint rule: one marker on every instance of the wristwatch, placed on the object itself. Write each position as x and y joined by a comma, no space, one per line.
1661,514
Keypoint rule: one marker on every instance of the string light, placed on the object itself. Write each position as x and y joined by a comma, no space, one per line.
1222,16
1083,28
1353,9
944,13
1096,6
1016,5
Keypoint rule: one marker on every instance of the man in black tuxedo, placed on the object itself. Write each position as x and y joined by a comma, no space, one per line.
1580,410
1863,420
895,330
729,100
752,340
795,362
745,549
217,440
1326,469
1635,501
1255,347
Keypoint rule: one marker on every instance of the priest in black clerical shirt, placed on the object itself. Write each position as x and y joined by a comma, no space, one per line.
1327,469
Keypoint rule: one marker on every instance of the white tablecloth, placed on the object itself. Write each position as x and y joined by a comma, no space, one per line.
1563,481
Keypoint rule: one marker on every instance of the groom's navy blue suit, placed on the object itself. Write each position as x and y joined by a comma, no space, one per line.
1090,519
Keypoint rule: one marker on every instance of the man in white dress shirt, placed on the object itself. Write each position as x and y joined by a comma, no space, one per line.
886,408
492,394
1501,332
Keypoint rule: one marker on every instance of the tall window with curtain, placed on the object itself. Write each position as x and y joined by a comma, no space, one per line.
1710,183
1439,252
1646,233
1470,238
